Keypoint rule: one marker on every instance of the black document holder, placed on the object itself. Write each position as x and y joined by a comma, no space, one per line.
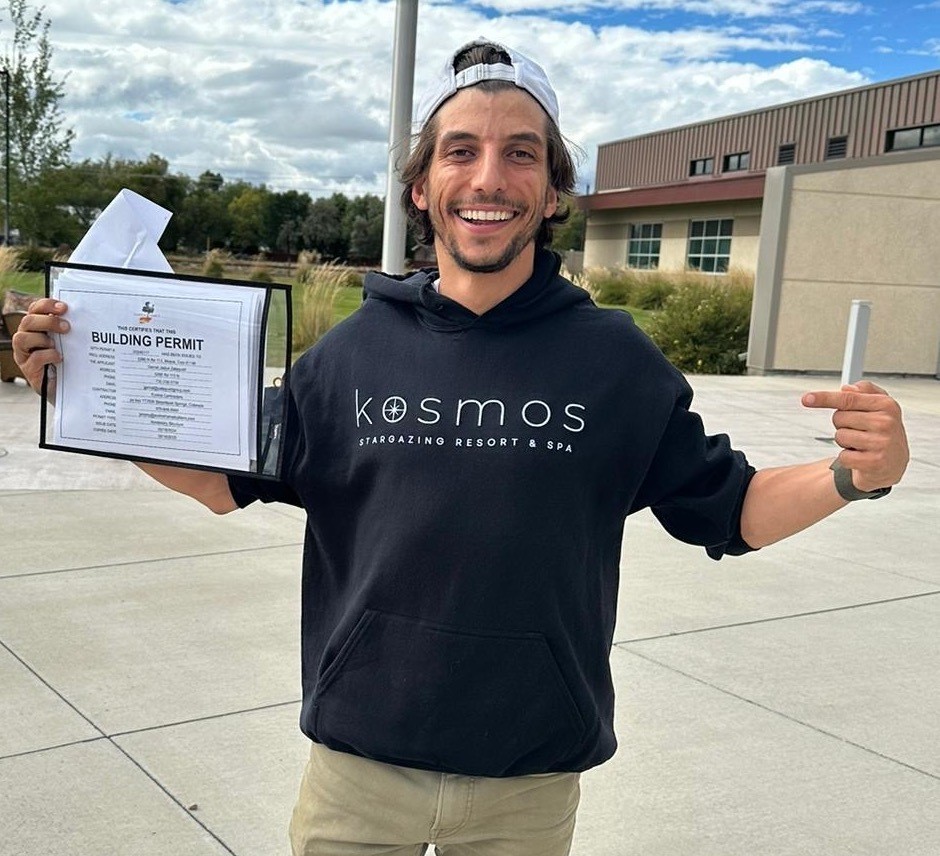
272,365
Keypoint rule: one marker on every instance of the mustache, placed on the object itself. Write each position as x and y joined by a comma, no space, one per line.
496,199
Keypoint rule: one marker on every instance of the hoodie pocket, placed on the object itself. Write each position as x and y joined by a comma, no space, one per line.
421,694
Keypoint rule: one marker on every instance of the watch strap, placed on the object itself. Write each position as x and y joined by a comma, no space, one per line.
846,487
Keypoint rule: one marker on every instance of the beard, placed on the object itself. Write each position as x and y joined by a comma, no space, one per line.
492,263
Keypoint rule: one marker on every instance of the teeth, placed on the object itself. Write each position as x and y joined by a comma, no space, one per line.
485,215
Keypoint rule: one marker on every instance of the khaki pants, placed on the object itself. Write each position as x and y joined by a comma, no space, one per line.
351,806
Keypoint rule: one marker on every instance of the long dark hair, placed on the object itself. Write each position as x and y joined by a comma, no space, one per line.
562,174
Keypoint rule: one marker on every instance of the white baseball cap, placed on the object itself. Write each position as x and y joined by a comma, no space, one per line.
524,73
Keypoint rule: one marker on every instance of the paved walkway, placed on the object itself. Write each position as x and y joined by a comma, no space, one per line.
784,703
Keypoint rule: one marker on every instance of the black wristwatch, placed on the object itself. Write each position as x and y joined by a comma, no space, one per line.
847,490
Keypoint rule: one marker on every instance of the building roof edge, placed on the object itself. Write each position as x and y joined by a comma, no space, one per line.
837,93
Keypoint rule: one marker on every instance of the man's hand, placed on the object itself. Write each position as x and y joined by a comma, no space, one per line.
870,431
33,347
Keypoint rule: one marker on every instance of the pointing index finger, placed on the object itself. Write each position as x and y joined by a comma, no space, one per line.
845,400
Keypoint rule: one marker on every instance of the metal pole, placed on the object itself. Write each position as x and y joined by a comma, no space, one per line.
853,362
6,162
399,134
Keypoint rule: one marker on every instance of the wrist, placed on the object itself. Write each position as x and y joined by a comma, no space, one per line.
850,489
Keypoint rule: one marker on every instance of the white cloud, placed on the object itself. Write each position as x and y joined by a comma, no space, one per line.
296,93
712,8
932,46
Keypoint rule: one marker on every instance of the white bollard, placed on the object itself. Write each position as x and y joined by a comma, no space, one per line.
853,363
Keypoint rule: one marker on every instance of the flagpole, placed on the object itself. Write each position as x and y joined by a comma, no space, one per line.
399,135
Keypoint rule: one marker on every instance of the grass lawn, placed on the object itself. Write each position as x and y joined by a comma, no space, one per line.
642,317
348,300
31,283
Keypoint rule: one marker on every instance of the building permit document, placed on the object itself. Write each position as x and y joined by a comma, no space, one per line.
158,368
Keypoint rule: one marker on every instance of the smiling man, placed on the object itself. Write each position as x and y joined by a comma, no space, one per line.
467,447
486,189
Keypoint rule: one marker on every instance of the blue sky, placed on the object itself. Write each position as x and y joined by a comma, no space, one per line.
295,93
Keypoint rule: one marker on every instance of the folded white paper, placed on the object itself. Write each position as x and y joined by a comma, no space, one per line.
125,235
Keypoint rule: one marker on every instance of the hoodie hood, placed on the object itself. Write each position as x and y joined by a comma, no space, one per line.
544,293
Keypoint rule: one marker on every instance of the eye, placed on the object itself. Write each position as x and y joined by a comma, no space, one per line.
522,155
460,153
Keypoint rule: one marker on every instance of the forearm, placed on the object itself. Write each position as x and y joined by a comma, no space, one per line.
211,489
785,500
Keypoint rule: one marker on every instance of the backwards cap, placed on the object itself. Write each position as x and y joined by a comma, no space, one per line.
524,73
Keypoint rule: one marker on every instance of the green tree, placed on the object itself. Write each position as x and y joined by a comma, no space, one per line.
80,191
570,234
247,213
204,220
364,221
284,220
324,229
40,140
152,179
40,217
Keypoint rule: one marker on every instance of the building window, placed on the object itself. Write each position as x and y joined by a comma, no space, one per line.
786,154
710,245
913,138
643,251
702,166
737,162
836,147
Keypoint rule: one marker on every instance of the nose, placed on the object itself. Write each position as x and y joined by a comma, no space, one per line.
489,175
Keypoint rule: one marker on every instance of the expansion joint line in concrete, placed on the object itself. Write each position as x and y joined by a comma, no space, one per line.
110,739
131,731
815,728
133,562
775,618
54,691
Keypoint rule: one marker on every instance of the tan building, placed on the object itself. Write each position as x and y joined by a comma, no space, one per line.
828,199
867,229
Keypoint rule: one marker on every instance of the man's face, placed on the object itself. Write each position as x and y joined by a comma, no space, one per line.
487,188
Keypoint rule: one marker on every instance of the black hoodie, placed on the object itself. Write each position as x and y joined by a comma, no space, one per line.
466,480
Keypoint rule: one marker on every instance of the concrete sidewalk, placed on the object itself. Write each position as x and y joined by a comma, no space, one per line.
783,703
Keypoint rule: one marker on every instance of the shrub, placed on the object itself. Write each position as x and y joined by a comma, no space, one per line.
34,258
214,264
642,289
703,326
314,293
651,290
259,273
10,261
613,286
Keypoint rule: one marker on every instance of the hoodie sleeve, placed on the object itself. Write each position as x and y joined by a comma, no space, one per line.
246,489
696,483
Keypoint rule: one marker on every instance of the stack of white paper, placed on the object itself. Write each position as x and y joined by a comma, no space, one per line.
152,367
